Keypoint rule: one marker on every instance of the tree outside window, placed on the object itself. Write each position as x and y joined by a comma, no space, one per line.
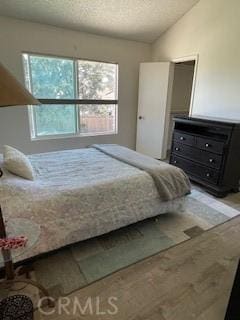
79,96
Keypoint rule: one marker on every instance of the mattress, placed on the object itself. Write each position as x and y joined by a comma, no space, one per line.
78,194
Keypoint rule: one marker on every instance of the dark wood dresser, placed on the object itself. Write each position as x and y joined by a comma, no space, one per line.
209,152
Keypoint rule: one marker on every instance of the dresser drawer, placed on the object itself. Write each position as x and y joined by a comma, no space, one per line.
184,138
204,157
195,169
210,145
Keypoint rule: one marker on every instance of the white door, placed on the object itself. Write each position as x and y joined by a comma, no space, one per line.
154,105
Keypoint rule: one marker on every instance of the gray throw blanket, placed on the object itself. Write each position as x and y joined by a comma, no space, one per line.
171,182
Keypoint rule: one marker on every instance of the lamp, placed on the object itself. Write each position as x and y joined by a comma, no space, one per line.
13,93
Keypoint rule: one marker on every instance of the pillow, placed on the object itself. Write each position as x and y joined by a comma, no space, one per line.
17,163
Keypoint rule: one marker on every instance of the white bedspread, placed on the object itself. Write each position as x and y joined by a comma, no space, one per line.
79,194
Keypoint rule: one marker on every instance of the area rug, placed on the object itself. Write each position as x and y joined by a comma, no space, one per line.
81,264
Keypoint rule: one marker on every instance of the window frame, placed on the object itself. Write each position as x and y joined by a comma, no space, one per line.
77,102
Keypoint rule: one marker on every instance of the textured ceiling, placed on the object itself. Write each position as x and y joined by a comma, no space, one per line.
141,20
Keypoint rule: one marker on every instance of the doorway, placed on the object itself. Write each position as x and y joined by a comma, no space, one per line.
182,92
166,89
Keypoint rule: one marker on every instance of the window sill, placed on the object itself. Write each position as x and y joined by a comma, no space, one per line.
67,136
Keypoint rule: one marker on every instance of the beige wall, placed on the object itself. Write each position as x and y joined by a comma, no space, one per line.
17,36
211,29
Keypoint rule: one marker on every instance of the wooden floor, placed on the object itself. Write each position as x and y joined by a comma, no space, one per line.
189,281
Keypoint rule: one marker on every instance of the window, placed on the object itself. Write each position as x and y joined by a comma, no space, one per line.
78,97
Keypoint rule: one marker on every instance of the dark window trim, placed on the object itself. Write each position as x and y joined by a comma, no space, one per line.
76,101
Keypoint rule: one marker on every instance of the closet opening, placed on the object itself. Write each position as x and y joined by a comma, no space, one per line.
182,93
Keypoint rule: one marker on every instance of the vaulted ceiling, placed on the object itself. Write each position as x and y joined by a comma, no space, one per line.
140,20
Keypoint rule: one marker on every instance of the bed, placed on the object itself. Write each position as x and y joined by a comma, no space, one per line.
82,193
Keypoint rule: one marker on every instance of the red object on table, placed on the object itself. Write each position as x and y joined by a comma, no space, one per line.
13,243
6,244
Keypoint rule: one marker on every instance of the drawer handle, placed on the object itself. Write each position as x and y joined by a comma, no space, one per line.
175,161
211,160
182,138
207,145
208,175
177,149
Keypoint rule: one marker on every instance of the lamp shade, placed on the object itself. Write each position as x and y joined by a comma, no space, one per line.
12,92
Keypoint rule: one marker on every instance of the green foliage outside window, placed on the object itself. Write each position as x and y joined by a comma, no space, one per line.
59,78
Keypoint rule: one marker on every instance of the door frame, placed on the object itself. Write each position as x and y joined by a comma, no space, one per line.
194,57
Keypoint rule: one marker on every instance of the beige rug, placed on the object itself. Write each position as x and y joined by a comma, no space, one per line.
81,264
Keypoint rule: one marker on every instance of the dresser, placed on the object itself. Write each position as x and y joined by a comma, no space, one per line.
208,150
